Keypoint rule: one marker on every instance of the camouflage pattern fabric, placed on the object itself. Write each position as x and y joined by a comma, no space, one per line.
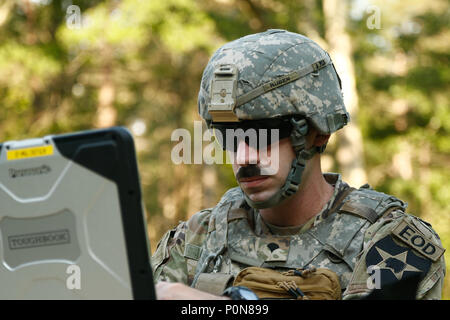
430,287
340,241
267,56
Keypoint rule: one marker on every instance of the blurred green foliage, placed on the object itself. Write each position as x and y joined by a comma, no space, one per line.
148,56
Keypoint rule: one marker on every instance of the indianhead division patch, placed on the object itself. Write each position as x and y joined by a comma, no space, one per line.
394,261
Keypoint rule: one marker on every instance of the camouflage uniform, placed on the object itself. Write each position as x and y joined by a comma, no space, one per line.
278,74
338,239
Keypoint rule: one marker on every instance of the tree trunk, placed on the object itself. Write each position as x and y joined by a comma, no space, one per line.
106,113
350,151
5,10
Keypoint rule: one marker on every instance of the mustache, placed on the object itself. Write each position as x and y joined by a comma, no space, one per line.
251,171
248,171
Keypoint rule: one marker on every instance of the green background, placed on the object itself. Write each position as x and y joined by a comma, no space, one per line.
139,64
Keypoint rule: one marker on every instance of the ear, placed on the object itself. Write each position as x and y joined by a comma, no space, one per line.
321,139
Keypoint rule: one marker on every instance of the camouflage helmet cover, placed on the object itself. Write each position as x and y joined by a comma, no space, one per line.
265,57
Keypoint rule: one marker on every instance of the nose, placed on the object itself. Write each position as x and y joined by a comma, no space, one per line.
246,154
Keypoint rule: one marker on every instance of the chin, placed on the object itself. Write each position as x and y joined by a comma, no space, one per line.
260,196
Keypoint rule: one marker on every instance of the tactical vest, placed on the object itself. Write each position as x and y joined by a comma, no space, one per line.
334,243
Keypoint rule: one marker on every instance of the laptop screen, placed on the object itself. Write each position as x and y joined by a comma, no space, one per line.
72,223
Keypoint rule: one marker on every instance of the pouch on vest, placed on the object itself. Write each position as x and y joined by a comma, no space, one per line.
300,284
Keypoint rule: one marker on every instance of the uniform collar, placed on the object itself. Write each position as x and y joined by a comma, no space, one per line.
263,228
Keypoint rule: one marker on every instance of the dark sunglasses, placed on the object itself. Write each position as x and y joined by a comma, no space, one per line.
256,133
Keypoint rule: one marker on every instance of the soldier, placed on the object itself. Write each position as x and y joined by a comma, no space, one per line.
297,217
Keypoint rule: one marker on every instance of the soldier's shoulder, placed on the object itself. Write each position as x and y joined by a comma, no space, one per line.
401,244
377,200
389,217
409,230
370,204
390,211
231,196
405,234
200,221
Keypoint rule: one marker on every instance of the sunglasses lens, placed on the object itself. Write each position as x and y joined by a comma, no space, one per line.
257,134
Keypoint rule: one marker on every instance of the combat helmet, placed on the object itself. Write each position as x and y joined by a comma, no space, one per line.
271,75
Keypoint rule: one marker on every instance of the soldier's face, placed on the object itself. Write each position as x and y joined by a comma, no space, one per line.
261,173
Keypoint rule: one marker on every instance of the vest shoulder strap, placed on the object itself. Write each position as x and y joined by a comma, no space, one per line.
370,204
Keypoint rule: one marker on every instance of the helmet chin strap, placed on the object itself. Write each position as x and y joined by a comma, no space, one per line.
294,178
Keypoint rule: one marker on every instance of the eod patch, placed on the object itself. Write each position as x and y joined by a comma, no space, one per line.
409,234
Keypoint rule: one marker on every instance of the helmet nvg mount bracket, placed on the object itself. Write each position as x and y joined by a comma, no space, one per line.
270,75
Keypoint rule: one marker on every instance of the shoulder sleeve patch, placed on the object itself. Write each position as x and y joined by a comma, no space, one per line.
394,261
411,235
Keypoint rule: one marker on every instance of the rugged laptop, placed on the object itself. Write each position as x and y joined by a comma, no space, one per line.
71,218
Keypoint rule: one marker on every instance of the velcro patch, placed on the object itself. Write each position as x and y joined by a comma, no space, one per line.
410,235
192,251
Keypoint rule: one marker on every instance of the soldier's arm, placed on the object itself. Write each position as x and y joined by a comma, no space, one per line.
171,260
399,245
168,261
